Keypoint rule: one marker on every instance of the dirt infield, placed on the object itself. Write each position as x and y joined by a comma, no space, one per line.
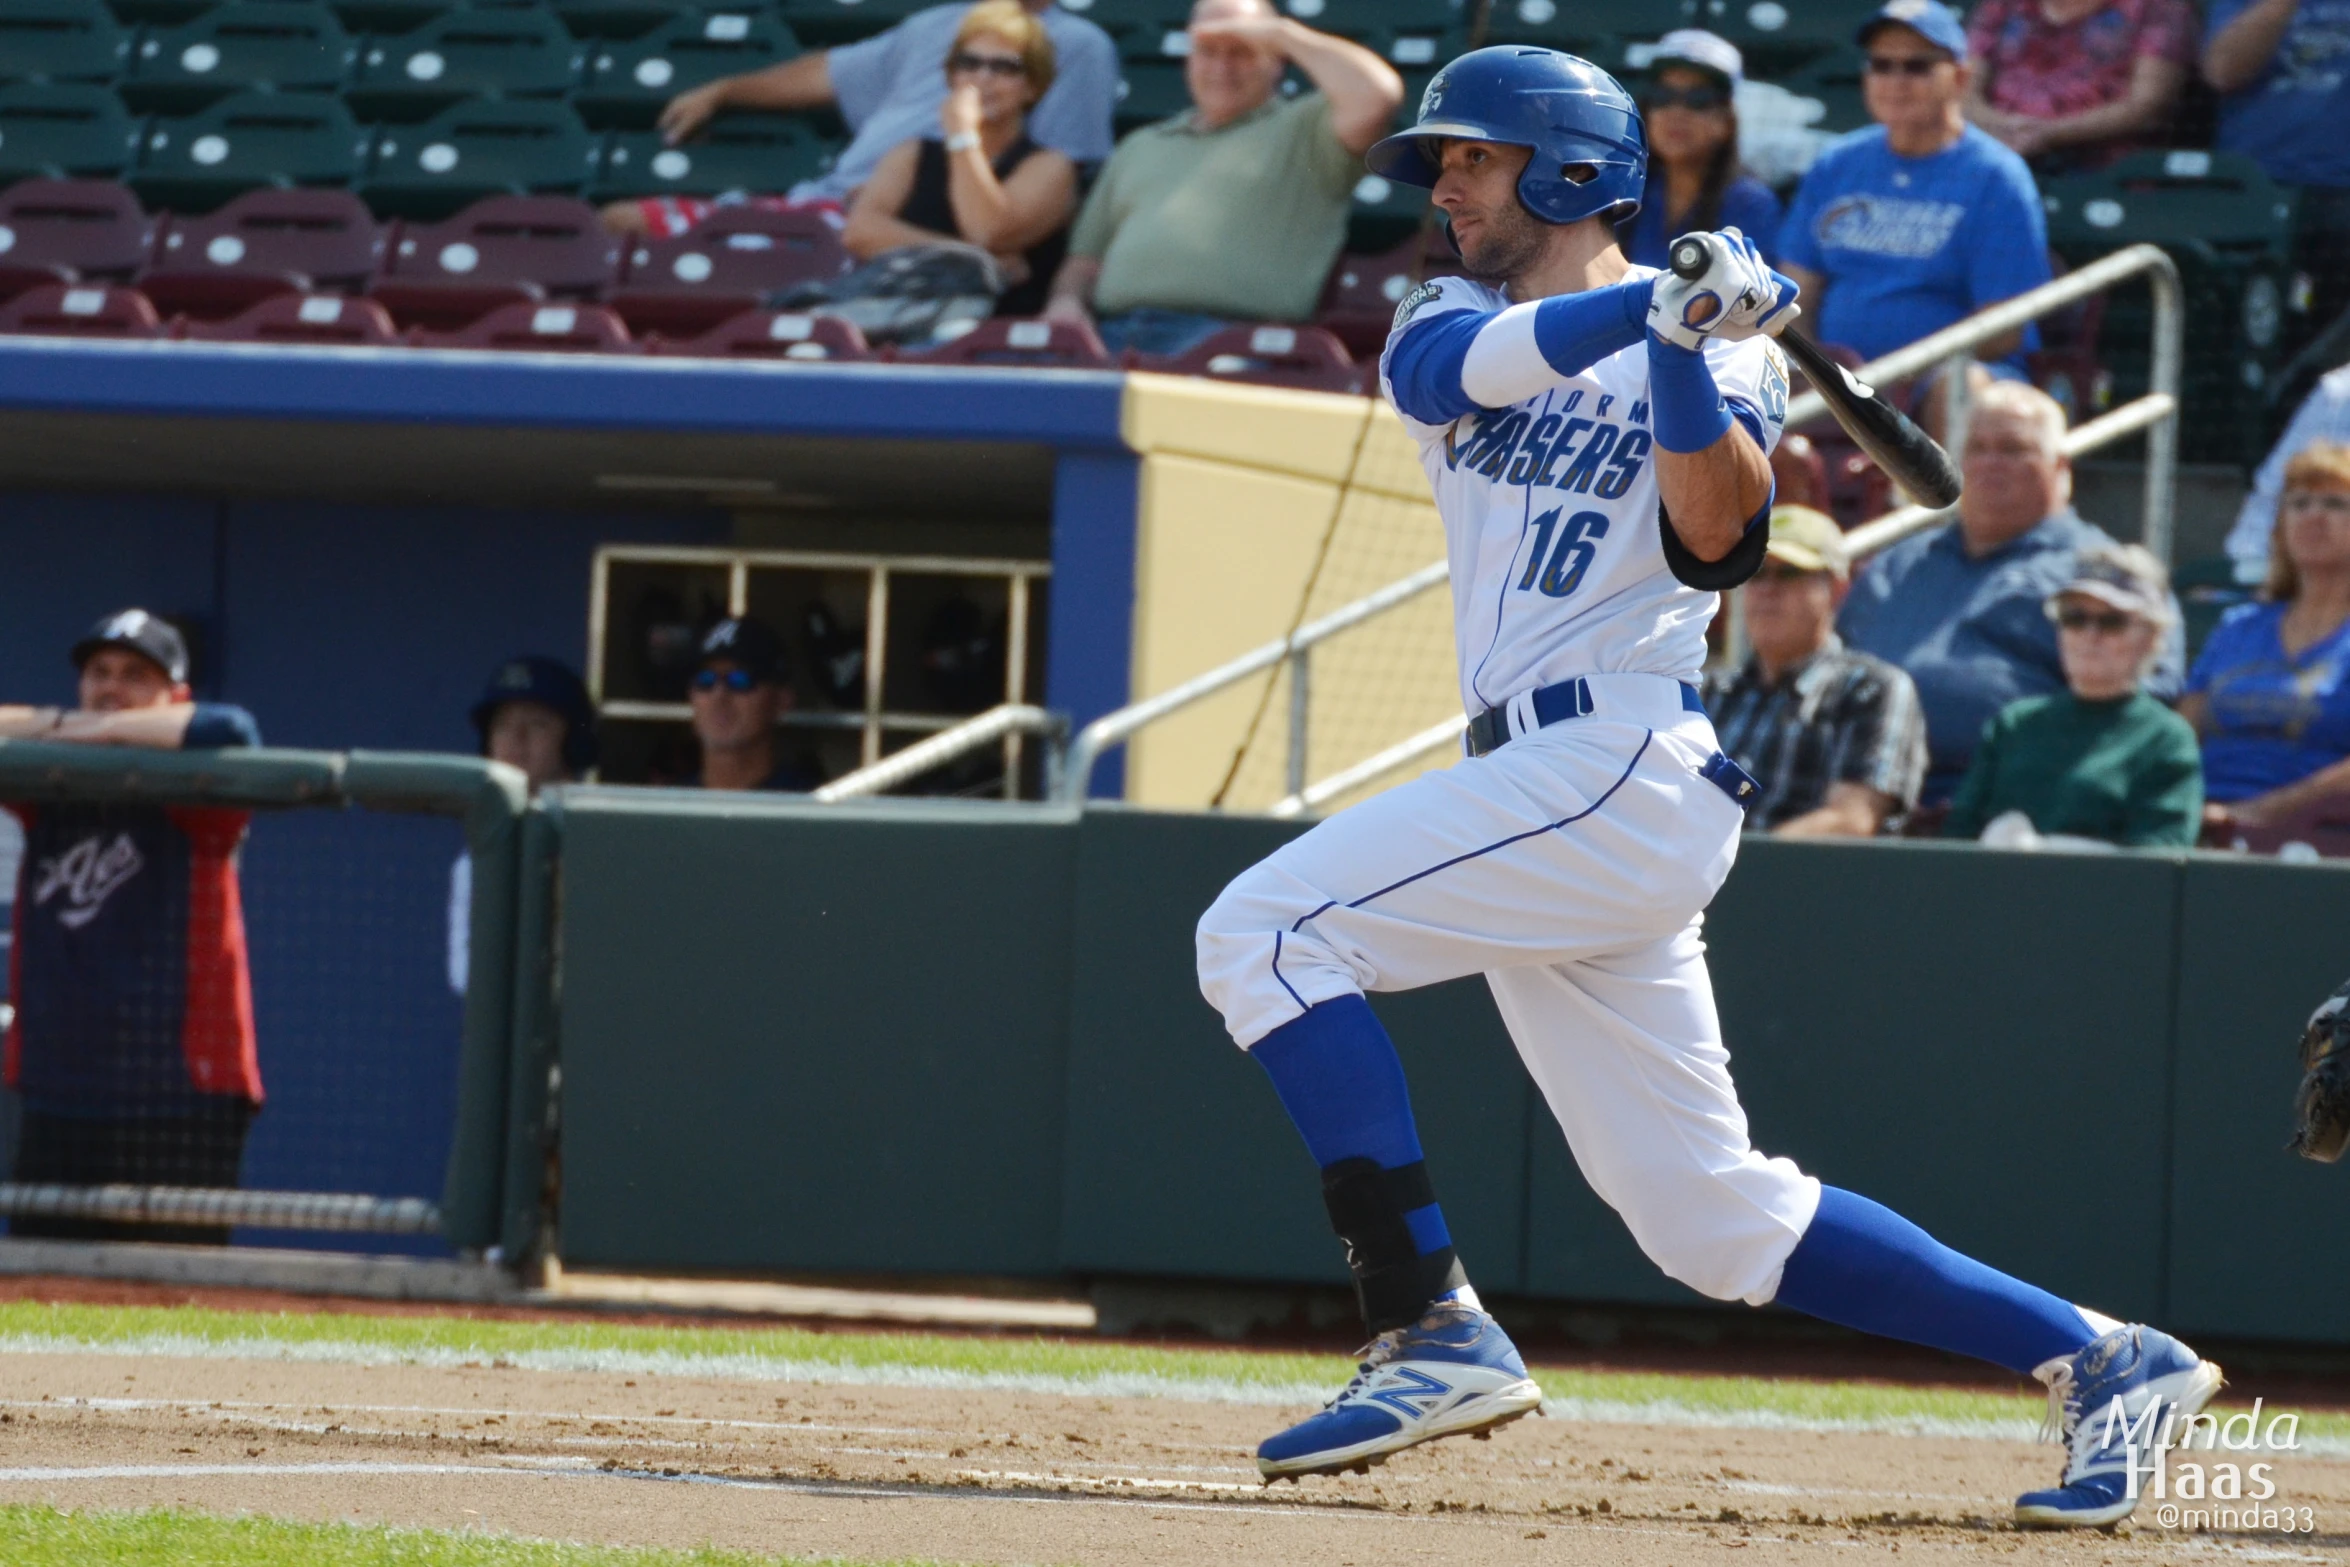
1004,1477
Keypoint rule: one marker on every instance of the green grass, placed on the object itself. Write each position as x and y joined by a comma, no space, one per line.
1075,1366
46,1537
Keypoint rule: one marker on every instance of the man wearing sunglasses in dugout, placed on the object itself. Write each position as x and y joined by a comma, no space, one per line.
1905,227
740,690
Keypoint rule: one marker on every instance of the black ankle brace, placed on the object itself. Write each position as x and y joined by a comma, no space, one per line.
1395,1282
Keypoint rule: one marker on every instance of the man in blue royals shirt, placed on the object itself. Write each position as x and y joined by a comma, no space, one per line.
1920,220
132,1047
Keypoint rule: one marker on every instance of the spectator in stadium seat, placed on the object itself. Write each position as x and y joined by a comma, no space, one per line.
535,716
1962,608
1920,220
2270,693
740,690
1694,178
981,181
132,1047
2074,84
1236,209
2323,416
2100,759
1834,737
889,90
2282,69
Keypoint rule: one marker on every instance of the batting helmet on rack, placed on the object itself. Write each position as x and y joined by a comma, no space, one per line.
1568,111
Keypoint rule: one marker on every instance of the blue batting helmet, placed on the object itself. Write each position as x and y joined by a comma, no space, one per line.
1569,111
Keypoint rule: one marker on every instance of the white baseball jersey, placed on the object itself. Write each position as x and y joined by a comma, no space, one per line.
1550,502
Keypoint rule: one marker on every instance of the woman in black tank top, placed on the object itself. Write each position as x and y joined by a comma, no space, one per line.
982,181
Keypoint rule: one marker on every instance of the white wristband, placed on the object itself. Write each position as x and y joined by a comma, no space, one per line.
962,141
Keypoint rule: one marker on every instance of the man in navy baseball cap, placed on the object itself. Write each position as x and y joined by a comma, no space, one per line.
740,691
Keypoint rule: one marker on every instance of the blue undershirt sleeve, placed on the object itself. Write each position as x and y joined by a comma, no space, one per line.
215,725
1464,360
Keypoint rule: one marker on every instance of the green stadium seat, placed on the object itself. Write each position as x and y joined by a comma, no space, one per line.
465,54
253,139
159,13
64,130
1384,215
1776,36
823,23
390,17
61,41
629,82
289,45
1412,35
1834,81
1586,27
1118,16
635,18
748,152
485,148
1148,92
2229,228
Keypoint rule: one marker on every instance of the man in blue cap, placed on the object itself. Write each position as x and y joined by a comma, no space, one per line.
534,715
1922,219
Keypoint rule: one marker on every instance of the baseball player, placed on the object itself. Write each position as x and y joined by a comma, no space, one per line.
1597,437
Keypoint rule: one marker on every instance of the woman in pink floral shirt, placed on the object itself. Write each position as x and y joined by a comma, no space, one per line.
2074,84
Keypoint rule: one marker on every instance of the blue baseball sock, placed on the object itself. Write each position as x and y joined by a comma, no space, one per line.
1864,1266
1342,1083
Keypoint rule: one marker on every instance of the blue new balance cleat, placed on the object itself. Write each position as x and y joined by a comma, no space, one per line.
2114,1405
1452,1373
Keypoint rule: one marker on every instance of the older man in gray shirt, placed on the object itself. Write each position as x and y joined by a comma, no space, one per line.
888,88
1963,609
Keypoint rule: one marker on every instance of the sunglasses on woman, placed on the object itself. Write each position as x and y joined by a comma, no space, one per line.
738,681
1698,98
2334,503
1903,64
985,65
2111,622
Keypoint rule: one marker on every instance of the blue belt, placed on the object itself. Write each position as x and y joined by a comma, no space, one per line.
1553,704
1490,730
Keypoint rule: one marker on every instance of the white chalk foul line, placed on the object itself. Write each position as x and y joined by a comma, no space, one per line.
1207,1390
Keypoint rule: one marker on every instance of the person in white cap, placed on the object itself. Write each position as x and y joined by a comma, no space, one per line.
2100,759
1695,182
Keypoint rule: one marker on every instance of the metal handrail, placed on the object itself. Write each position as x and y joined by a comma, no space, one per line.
1962,338
997,723
1112,728
2156,412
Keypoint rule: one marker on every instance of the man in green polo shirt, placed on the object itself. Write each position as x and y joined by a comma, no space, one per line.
1236,209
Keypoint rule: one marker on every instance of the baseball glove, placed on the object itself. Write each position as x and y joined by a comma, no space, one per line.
2321,1109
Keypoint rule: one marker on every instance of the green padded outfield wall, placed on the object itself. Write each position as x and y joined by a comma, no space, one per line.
812,1037
930,1038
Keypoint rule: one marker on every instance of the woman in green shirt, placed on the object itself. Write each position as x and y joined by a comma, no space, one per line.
2103,760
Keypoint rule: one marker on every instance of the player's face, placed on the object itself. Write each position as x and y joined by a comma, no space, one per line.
115,680
728,719
529,735
1477,190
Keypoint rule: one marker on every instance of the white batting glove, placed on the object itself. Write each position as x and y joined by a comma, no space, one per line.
1768,308
1728,298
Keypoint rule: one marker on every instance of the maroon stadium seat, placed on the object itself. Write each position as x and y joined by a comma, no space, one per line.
767,334
55,231
1009,340
563,329
306,318
503,250
80,310
729,263
264,242
1358,304
1302,358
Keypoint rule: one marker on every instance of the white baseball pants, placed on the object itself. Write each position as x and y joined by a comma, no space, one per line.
1570,867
